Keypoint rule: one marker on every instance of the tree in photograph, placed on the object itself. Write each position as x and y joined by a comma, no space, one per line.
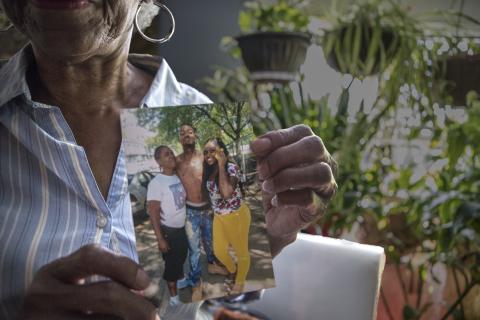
228,121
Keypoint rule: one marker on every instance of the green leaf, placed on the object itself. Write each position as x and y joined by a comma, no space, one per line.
347,47
357,42
329,42
456,145
245,21
339,52
372,50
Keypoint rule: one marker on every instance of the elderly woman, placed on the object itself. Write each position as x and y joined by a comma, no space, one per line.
64,211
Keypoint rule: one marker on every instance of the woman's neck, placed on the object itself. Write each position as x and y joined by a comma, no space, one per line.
94,85
214,172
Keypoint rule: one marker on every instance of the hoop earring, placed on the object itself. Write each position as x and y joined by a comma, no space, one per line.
172,27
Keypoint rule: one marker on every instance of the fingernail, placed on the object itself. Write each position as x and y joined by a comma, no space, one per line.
157,317
142,280
139,292
274,201
268,186
151,290
262,171
261,145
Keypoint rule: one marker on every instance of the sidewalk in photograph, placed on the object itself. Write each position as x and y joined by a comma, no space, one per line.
260,274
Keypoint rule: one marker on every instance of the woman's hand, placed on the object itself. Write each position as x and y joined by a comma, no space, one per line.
221,157
58,290
163,245
225,314
227,183
294,166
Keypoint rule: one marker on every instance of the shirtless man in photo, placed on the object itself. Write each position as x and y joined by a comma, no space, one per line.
199,214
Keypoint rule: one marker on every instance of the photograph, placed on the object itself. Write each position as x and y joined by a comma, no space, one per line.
240,160
196,202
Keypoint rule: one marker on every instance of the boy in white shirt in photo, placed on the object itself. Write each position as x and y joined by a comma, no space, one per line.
166,207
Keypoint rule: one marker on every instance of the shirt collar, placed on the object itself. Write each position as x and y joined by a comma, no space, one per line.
13,78
164,87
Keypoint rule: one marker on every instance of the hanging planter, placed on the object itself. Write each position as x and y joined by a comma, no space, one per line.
274,56
274,40
462,74
360,49
368,37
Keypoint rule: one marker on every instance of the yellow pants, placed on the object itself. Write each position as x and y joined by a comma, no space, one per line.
232,230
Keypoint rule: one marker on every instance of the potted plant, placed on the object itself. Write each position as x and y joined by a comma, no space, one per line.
421,221
365,38
437,267
274,39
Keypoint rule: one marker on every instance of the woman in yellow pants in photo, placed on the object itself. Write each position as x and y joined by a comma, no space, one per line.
231,222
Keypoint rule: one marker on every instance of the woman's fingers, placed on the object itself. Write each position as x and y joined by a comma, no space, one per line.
225,314
58,288
76,316
95,260
83,316
285,222
108,298
273,140
307,150
317,176
301,198
294,165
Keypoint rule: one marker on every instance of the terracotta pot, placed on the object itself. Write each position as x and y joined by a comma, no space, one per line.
471,302
392,300
274,56
439,292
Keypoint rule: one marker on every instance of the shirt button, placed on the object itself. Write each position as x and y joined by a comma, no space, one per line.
101,221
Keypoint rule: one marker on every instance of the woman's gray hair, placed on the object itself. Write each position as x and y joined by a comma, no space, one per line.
146,15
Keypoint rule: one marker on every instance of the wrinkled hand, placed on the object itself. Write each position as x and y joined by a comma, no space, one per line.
294,166
58,290
163,245
225,314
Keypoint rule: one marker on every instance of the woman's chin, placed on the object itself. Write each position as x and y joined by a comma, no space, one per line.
61,5
211,162
70,35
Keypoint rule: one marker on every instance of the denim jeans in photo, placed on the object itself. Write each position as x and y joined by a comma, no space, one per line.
199,229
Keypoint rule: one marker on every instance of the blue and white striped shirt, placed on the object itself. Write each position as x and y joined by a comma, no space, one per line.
50,204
